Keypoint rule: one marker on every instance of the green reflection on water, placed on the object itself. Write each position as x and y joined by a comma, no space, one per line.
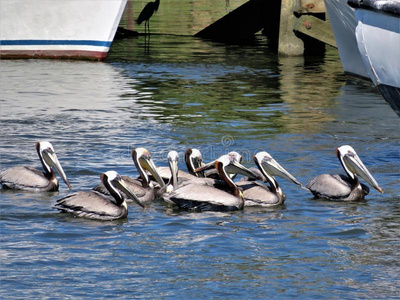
179,17
204,89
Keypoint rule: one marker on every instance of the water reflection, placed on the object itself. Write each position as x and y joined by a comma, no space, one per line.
309,87
256,97
179,17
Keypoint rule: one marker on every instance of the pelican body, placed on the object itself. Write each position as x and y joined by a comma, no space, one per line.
341,187
195,196
94,205
256,194
30,179
143,188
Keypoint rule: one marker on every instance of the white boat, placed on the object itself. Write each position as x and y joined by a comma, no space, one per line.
81,29
378,39
344,23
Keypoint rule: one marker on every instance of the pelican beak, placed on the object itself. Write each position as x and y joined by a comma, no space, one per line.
148,164
237,168
270,166
120,184
197,162
355,165
173,164
50,158
204,167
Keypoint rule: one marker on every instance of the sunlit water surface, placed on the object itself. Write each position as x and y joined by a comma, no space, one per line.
179,92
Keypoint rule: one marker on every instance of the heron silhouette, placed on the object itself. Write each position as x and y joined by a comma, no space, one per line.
146,14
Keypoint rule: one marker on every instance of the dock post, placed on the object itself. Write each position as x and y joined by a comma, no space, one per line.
289,43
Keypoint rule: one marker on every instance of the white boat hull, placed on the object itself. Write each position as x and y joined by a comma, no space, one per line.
378,39
344,25
58,29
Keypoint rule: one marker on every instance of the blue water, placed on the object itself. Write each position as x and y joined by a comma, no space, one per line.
180,92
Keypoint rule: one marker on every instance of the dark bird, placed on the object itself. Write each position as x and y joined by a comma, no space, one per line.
195,196
93,205
30,179
257,194
341,187
143,187
146,14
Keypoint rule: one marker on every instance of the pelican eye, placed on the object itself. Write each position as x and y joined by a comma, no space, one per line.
351,154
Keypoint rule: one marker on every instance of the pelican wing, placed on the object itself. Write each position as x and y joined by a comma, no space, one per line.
203,197
92,205
329,186
165,174
24,178
347,180
213,173
185,178
256,194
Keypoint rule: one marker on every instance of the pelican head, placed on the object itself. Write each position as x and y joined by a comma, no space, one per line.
114,182
269,167
353,165
233,168
143,161
193,160
50,161
235,156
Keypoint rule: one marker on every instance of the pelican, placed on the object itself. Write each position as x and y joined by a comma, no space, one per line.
212,172
193,160
177,180
256,194
341,187
30,179
143,188
93,205
202,197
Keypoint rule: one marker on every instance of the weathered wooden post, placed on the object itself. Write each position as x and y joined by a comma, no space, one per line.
292,26
303,18
289,43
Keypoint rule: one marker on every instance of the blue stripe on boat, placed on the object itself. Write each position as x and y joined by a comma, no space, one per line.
54,42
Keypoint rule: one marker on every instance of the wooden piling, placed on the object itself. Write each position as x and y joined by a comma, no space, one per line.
289,43
293,27
303,26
